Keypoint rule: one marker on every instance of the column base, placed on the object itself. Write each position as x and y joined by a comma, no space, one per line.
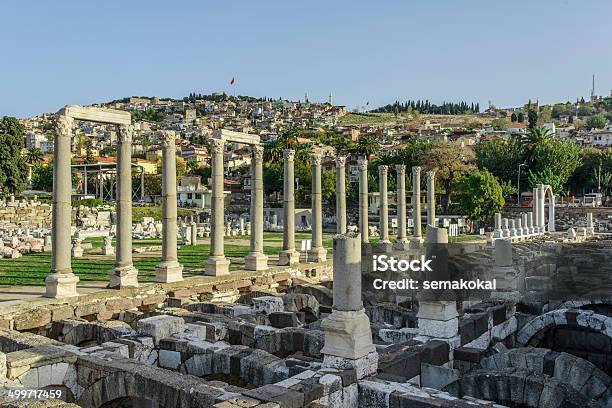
256,262
123,276
216,266
59,285
288,257
347,335
167,272
402,245
317,255
384,246
364,366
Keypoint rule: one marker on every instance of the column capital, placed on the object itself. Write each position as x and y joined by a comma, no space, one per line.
125,133
340,161
289,154
383,169
167,137
216,145
431,174
416,170
316,158
64,125
400,169
257,152
362,164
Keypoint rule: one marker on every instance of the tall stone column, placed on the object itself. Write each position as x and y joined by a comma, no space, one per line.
341,194
541,218
363,205
169,269
402,243
217,264
535,210
124,273
348,338
256,260
431,198
384,245
289,255
61,282
417,235
590,226
317,253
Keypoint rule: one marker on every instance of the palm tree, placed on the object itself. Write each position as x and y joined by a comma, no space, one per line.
536,136
33,158
303,152
273,151
367,146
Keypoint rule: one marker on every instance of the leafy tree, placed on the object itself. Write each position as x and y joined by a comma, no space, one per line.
480,195
33,158
328,187
514,117
596,122
501,156
153,184
532,118
13,169
367,146
521,117
500,124
450,161
561,158
546,176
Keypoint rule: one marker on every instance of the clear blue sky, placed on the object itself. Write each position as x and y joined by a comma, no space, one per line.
63,52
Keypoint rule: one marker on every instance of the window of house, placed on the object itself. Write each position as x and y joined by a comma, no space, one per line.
198,196
189,196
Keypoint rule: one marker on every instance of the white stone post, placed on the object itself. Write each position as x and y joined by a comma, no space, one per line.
551,212
169,269
504,227
124,274
317,253
289,255
61,282
384,245
541,215
341,194
504,273
402,243
497,231
348,338
217,264
417,235
590,227
535,208
530,223
363,204
256,260
431,198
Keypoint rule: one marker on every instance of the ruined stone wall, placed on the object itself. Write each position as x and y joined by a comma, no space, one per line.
33,215
566,218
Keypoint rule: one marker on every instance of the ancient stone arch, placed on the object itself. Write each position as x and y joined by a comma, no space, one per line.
582,318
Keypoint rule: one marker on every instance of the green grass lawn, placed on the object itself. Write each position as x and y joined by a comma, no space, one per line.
31,269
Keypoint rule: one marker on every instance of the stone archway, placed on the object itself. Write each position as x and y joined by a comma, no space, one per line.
551,207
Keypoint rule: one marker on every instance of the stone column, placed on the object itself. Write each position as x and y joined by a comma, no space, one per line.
256,260
124,273
504,228
437,315
341,194
317,253
384,244
417,237
518,224
525,224
194,233
530,223
503,271
431,198
169,269
497,231
512,228
217,264
541,197
363,204
590,227
289,255
551,213
348,338
402,243
535,210
61,282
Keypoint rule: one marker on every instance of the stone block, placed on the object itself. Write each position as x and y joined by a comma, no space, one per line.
88,309
285,397
268,304
169,359
283,319
32,319
159,327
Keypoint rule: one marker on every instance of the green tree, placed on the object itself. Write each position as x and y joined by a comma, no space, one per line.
13,168
501,156
546,176
42,177
33,158
500,124
367,146
596,122
561,158
328,187
480,195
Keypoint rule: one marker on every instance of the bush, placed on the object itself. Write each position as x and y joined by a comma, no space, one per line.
88,202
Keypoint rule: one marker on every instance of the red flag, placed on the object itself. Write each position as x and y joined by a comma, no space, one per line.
232,81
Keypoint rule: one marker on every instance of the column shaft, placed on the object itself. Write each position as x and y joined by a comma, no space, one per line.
363,201
289,255
256,260
124,273
61,281
431,198
416,202
317,252
341,194
169,270
217,264
384,243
